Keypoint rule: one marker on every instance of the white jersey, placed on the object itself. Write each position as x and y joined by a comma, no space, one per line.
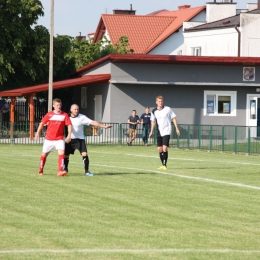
78,126
163,119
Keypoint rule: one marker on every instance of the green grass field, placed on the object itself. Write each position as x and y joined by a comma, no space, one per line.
205,206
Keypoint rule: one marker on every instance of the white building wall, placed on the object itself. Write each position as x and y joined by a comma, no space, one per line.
250,35
222,42
218,11
187,25
174,44
171,45
107,35
251,6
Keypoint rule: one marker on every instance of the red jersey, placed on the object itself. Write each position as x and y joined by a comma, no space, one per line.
56,123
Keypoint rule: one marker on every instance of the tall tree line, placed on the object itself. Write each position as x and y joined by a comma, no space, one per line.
24,47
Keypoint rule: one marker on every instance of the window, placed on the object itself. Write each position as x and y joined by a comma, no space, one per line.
220,103
179,52
196,51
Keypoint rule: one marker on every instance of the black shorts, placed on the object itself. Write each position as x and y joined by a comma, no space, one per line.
163,140
78,144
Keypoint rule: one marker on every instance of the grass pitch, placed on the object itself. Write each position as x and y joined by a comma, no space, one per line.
205,206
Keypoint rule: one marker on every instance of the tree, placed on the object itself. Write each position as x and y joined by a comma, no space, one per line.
83,52
24,47
17,38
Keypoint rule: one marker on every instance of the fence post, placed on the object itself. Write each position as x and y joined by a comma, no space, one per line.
249,141
210,137
178,141
223,138
235,146
120,134
188,137
12,133
199,135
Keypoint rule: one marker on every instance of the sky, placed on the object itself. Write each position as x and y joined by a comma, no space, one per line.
72,17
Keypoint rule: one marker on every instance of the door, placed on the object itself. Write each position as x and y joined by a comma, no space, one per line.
98,113
253,102
98,108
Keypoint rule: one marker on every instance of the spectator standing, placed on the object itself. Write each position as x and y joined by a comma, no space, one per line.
6,111
133,121
1,110
146,122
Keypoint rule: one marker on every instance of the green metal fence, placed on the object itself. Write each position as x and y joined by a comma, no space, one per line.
237,139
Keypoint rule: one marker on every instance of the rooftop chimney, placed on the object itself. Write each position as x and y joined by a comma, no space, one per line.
218,10
81,37
185,6
129,12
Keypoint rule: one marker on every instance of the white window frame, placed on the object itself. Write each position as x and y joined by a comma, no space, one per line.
196,51
216,94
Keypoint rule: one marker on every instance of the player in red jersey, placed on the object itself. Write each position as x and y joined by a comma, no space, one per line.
56,121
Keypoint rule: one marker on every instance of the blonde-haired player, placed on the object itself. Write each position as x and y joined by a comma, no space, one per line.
163,116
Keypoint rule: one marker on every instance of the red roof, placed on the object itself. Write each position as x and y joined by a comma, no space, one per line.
144,32
182,15
158,11
170,59
141,30
56,85
132,58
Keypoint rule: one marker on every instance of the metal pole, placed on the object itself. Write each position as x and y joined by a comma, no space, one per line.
51,57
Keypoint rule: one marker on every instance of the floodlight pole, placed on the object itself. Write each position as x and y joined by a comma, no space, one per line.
51,57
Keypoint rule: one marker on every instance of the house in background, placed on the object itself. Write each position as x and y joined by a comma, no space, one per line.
163,31
237,35
200,90
203,90
159,32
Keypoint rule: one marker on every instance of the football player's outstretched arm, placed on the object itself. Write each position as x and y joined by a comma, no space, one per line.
40,127
152,128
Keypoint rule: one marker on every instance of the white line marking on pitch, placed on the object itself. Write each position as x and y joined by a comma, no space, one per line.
196,160
133,251
184,176
170,158
181,159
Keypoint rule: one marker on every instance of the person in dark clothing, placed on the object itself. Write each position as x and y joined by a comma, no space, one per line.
145,121
133,121
6,111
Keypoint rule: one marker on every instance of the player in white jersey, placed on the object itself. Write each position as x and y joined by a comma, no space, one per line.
163,116
78,138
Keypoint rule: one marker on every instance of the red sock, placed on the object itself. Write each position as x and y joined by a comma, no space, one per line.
60,162
42,162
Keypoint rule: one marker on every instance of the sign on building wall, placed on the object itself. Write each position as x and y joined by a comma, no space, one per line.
249,74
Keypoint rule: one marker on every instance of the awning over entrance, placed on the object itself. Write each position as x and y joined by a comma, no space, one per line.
88,79
31,91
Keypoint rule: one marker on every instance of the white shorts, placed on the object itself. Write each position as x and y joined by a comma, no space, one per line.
49,145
